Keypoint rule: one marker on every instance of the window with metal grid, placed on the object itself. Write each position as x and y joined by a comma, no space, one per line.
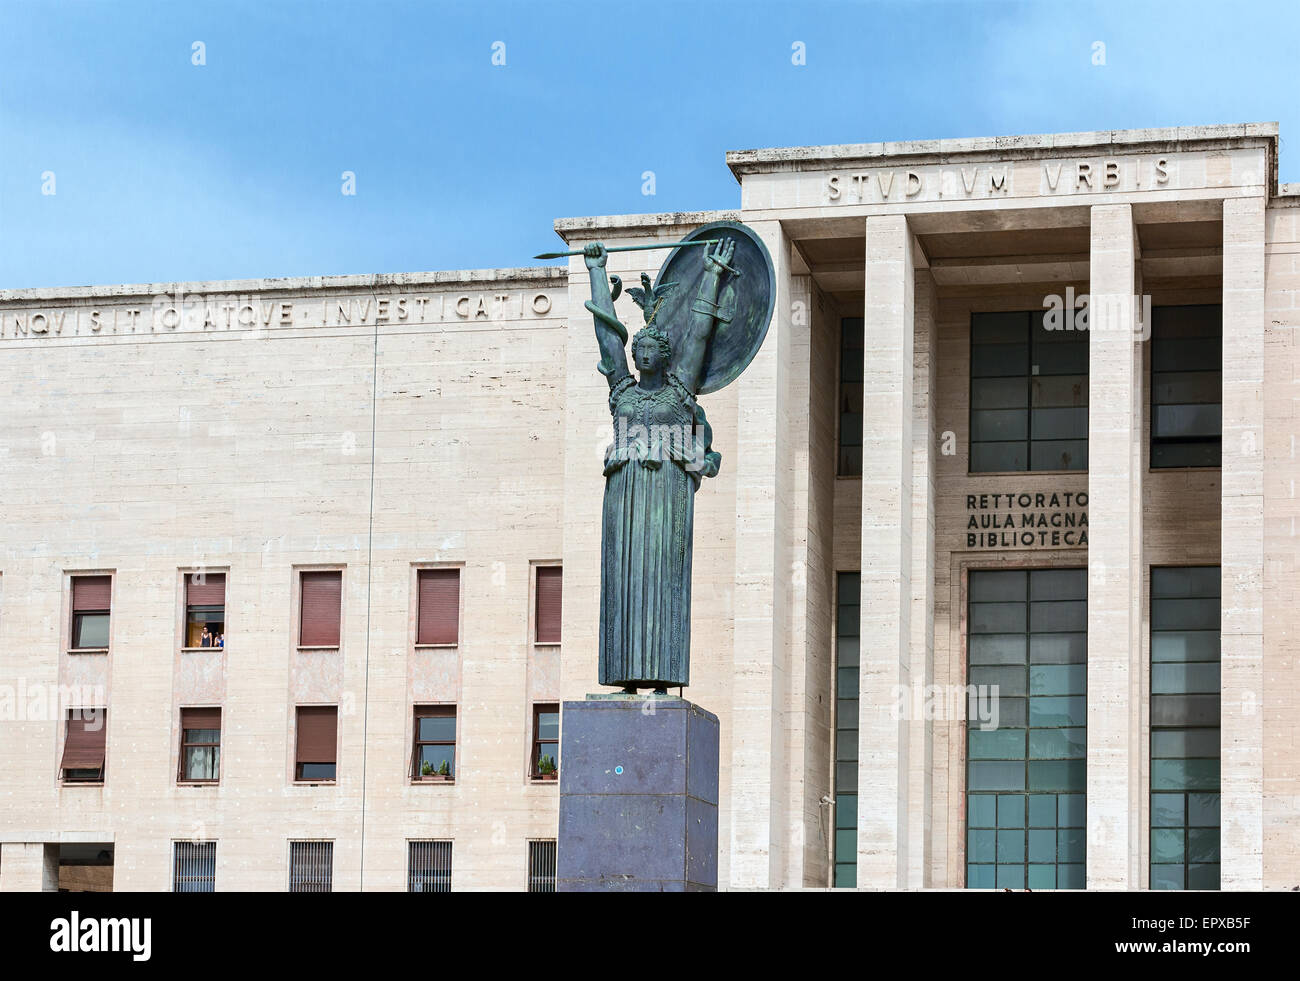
1187,386
846,730
541,866
428,866
1028,394
311,866
850,397
194,866
1026,750
1185,693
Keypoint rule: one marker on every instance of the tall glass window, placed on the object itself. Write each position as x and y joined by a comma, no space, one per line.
1028,394
1026,729
1185,687
850,404
1187,386
846,730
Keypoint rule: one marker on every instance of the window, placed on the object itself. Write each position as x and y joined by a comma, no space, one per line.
91,597
850,397
546,741
439,617
1185,690
1028,394
546,620
321,601
205,609
846,729
200,760
311,866
435,742
318,727
194,866
1026,748
428,866
83,747
541,866
1187,386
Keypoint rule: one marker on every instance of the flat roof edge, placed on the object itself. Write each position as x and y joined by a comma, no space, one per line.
1171,138
568,227
522,275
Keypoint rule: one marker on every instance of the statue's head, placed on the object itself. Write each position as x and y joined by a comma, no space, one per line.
651,349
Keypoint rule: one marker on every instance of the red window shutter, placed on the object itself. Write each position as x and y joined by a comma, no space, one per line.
91,593
549,589
84,747
322,596
200,718
439,617
211,591
318,727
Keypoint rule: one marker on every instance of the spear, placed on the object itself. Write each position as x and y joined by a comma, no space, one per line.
635,248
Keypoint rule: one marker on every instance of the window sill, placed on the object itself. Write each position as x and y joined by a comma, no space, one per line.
81,783
198,783
87,650
315,783
543,780
436,647
199,650
546,643
1083,472
326,647
419,781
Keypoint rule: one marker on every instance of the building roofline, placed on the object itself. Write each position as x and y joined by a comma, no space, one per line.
1167,139
568,228
523,276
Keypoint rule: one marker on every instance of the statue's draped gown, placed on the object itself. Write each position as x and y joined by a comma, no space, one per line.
652,470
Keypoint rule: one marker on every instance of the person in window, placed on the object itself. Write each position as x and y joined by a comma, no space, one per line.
221,640
205,639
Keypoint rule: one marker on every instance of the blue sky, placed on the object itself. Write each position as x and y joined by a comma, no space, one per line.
164,170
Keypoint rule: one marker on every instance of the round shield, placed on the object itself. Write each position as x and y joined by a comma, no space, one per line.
745,301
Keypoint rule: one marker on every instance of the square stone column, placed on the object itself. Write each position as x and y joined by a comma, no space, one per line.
887,601
760,810
1115,570
920,728
1242,548
29,866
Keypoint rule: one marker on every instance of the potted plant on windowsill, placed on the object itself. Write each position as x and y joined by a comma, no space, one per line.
546,768
429,774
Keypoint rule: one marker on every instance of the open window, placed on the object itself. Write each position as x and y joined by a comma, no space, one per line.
205,609
84,746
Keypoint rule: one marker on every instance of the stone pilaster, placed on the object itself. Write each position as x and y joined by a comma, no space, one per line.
759,763
921,658
1242,544
1115,571
887,506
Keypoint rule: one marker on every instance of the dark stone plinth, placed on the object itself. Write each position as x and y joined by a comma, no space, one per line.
638,796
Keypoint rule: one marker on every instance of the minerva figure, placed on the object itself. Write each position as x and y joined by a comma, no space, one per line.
660,452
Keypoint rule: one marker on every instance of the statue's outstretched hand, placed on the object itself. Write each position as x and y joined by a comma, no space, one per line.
595,255
719,260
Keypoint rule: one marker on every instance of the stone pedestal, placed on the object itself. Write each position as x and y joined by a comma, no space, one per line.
638,795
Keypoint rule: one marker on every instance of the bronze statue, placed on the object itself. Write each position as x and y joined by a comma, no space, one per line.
662,440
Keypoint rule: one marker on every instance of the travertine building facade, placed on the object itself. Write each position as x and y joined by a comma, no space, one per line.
947,481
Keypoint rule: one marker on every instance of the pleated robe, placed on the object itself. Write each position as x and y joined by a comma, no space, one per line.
652,471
